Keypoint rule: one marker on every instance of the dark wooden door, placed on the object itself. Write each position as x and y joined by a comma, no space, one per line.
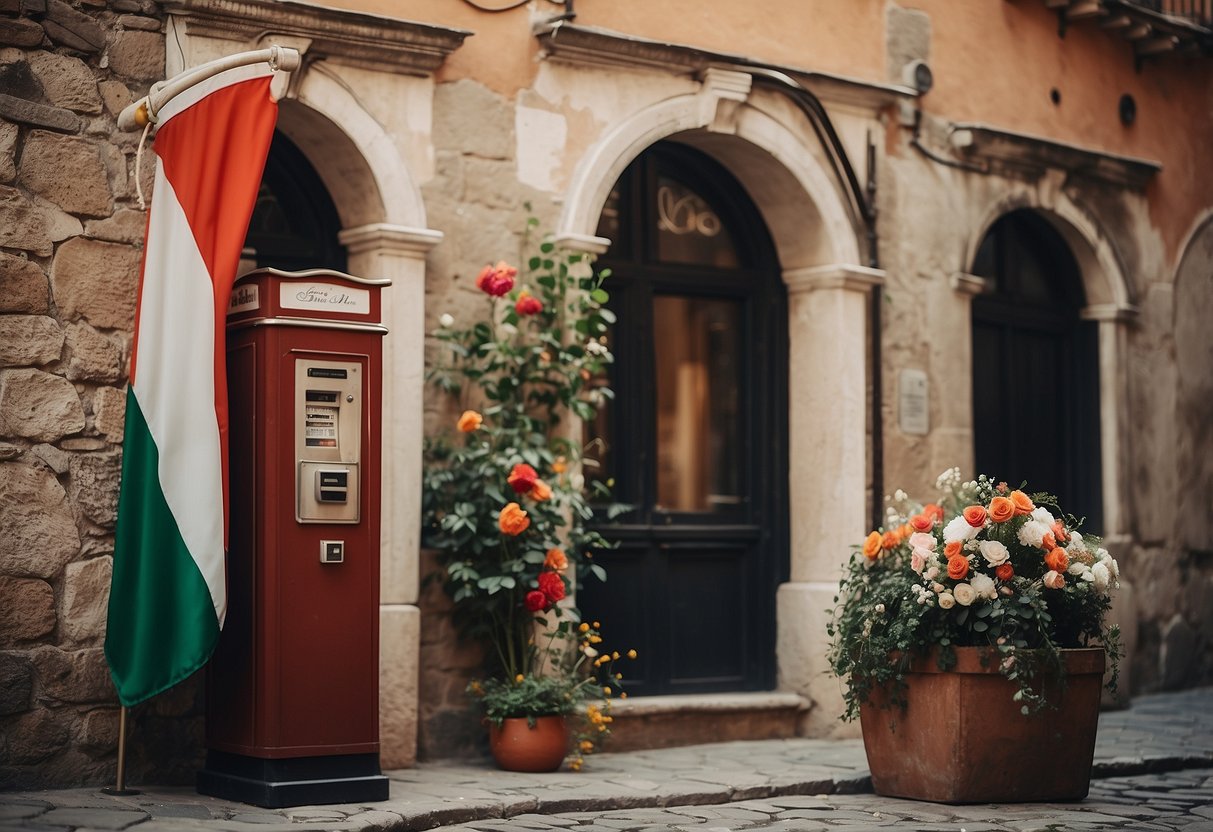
695,440
1036,367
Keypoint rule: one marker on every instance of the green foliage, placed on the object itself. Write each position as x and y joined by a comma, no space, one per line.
896,603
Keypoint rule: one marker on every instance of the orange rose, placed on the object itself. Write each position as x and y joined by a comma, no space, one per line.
922,522
1059,532
513,520
952,550
889,540
904,531
1057,560
975,516
556,560
1023,503
958,568
934,511
559,464
540,491
1004,571
1001,509
1047,542
469,421
871,545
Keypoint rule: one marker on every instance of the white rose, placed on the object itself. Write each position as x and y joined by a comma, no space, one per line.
994,552
983,585
946,601
1032,533
880,608
1077,568
1101,576
1041,515
1077,546
1113,567
932,573
959,530
446,319
964,594
1054,580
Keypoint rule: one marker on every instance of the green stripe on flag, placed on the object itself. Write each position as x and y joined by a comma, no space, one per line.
162,624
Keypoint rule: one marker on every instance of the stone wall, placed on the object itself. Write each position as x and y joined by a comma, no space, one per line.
70,237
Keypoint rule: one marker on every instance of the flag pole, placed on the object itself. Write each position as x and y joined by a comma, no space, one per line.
120,788
143,112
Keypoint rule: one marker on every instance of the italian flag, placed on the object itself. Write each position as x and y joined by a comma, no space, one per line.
169,595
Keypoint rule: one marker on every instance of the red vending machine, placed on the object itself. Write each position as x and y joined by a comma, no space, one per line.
293,687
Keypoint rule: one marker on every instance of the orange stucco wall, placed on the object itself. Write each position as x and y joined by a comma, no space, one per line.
994,62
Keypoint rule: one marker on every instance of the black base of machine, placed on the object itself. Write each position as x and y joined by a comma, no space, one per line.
293,781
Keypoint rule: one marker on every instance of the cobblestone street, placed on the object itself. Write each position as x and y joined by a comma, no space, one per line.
1153,770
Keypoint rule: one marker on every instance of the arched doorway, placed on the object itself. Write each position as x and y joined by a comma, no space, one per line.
295,223
696,438
1036,367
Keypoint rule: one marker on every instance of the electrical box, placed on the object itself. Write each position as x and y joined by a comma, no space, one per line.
293,686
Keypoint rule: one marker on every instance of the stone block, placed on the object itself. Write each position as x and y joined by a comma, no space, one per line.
38,534
138,55
9,451
84,443
92,356
68,171
34,737
33,7
39,406
76,676
27,610
109,412
100,730
139,22
97,281
399,651
60,225
125,226
94,486
20,32
86,592
23,286
16,683
115,95
22,224
471,118
38,115
57,460
85,30
8,151
67,81
29,340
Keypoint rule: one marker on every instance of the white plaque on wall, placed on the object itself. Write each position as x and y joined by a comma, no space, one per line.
912,414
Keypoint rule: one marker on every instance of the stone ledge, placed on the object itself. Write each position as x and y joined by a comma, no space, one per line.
694,719
721,703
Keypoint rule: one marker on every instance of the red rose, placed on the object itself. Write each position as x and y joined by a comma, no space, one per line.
496,280
536,601
1004,571
523,478
528,304
552,586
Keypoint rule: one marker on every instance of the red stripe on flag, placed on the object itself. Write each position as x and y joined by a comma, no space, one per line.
214,155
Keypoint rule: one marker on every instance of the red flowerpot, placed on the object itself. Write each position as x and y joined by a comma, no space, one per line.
962,739
517,746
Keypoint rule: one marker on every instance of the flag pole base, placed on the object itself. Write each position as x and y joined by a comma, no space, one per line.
116,792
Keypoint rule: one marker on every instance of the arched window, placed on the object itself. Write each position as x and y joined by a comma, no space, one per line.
1036,367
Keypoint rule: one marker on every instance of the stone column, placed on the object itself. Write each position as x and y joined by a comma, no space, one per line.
950,319
396,252
828,378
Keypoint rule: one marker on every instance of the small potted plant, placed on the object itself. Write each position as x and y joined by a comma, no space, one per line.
505,504
970,635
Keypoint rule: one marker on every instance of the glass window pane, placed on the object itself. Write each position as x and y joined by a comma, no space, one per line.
689,230
698,387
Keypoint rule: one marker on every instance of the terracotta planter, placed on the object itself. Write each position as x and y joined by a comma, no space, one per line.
962,739
516,746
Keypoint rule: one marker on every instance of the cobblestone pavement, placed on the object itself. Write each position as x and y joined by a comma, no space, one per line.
1154,770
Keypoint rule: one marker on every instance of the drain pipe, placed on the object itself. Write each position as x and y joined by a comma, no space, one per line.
862,202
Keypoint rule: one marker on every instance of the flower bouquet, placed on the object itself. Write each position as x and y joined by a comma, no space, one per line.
990,581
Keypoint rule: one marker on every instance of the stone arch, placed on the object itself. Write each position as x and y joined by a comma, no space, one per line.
797,196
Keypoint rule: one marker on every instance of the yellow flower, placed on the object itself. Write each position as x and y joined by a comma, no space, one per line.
615,655
519,678
623,695
597,626
595,639
584,628
631,654
575,765
469,421
607,690
618,675
587,745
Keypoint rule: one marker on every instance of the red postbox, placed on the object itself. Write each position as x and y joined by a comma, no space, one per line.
293,687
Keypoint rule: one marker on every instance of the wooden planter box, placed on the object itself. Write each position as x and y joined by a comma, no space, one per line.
962,739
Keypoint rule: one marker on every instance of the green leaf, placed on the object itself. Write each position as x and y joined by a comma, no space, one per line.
599,296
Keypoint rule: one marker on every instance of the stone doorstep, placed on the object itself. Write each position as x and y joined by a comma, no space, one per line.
692,719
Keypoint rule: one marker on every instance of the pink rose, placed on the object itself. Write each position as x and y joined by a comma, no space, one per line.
919,540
